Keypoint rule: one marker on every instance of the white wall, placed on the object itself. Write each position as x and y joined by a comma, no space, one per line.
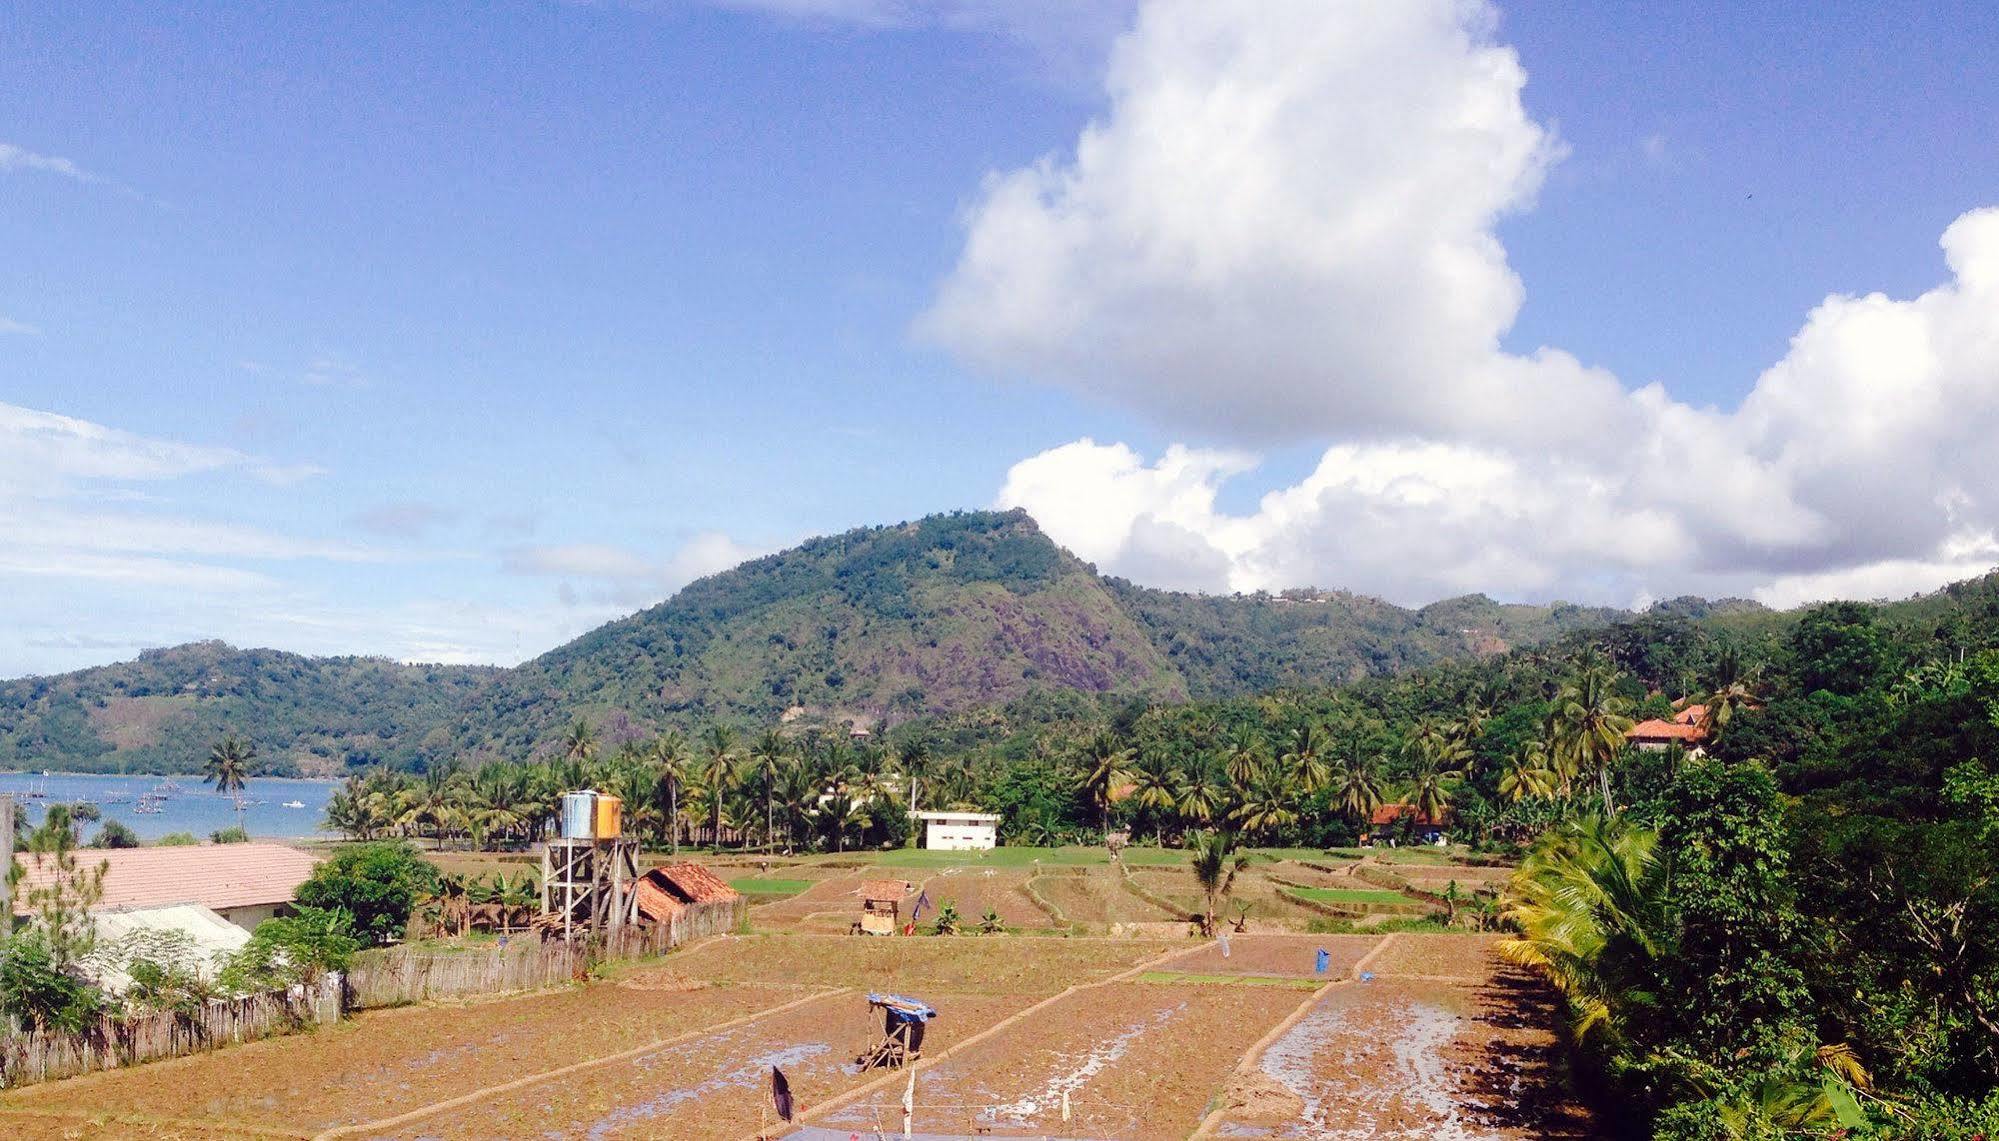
960,837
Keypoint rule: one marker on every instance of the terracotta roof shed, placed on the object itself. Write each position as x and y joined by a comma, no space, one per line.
669,889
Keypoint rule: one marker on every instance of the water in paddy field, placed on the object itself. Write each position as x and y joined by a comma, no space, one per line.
185,805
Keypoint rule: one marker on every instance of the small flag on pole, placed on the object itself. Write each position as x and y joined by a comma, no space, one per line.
922,901
780,1093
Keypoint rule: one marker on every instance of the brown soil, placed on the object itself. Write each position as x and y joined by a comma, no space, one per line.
1448,956
382,1063
1290,956
1137,1060
1406,1058
964,964
1098,898
716,1086
973,890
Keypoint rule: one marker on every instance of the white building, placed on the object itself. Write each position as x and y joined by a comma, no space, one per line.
960,831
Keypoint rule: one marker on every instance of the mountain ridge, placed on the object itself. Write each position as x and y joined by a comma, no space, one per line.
884,623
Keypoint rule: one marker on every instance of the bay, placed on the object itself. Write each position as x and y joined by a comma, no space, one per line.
185,804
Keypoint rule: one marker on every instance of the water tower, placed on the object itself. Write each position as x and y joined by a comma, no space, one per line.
588,871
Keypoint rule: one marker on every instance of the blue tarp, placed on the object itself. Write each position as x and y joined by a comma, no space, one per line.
911,1010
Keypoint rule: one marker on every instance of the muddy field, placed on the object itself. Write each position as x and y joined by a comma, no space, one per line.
1445,1041
385,1062
1284,956
1132,1060
713,1086
1442,1041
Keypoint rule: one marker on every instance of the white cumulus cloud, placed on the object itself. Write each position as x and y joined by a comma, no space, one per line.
1283,229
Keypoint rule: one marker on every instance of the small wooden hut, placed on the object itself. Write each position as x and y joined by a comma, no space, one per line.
667,890
881,907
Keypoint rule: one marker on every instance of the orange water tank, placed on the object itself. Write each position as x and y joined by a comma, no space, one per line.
610,817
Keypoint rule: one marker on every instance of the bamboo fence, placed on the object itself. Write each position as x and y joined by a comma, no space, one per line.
29,1057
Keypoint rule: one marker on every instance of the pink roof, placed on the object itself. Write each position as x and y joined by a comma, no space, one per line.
214,875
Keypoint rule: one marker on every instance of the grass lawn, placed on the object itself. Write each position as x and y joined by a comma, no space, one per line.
1348,895
760,886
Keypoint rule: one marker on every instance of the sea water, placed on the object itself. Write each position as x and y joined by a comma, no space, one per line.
185,804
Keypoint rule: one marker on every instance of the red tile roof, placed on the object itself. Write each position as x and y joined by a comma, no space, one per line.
667,890
1657,730
1390,813
218,876
693,883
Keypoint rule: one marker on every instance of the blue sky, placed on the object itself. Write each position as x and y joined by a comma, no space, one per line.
449,334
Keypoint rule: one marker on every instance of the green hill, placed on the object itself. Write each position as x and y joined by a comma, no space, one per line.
161,712
963,610
889,623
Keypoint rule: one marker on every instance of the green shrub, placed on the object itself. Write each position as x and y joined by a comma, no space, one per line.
38,993
377,885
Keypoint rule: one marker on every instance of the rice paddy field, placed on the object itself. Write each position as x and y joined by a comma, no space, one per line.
1042,1033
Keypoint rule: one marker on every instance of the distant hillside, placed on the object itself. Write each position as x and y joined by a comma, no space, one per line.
161,712
960,610
884,623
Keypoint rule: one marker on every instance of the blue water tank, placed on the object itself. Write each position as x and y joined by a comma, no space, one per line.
579,815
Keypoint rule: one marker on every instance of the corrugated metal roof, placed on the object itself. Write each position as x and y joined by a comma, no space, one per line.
219,876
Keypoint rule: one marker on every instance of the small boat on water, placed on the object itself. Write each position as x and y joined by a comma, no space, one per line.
148,803
294,804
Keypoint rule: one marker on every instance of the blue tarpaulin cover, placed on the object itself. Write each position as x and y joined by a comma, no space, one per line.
909,1008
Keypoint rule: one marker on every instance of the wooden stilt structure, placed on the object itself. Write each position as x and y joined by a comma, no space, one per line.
587,884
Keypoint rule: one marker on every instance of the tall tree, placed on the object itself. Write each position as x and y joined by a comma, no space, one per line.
718,766
767,760
1590,721
670,758
228,768
1215,865
1104,762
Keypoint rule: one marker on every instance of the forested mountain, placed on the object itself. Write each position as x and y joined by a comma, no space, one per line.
959,611
885,623
161,712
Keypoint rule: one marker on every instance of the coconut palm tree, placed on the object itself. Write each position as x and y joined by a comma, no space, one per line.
718,766
1215,865
1243,758
670,758
1590,722
1200,795
1589,902
1266,807
1527,774
1357,788
767,760
1104,763
1156,789
1734,690
579,747
1305,758
228,768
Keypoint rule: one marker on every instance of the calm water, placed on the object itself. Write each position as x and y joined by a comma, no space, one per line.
192,807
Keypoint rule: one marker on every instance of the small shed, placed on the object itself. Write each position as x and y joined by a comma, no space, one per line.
881,906
665,891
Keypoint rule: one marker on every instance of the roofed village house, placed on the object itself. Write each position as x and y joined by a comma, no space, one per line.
1387,820
1683,729
245,884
